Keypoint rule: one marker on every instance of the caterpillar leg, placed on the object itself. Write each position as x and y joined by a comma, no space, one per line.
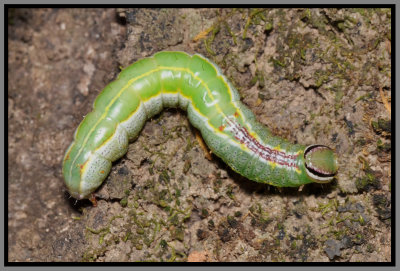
207,153
93,199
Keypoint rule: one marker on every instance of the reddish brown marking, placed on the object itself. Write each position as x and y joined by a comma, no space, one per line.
221,128
102,171
279,157
236,114
82,165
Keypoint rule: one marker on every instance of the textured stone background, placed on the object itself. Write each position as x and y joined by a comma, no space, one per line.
311,75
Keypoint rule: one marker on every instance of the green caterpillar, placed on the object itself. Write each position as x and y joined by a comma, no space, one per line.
195,84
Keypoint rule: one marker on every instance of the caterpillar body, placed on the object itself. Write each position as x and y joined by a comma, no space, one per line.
195,84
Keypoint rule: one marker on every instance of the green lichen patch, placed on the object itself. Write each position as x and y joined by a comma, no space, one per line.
382,206
382,126
371,179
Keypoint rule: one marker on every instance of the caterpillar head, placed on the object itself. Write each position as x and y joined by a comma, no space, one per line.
320,163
